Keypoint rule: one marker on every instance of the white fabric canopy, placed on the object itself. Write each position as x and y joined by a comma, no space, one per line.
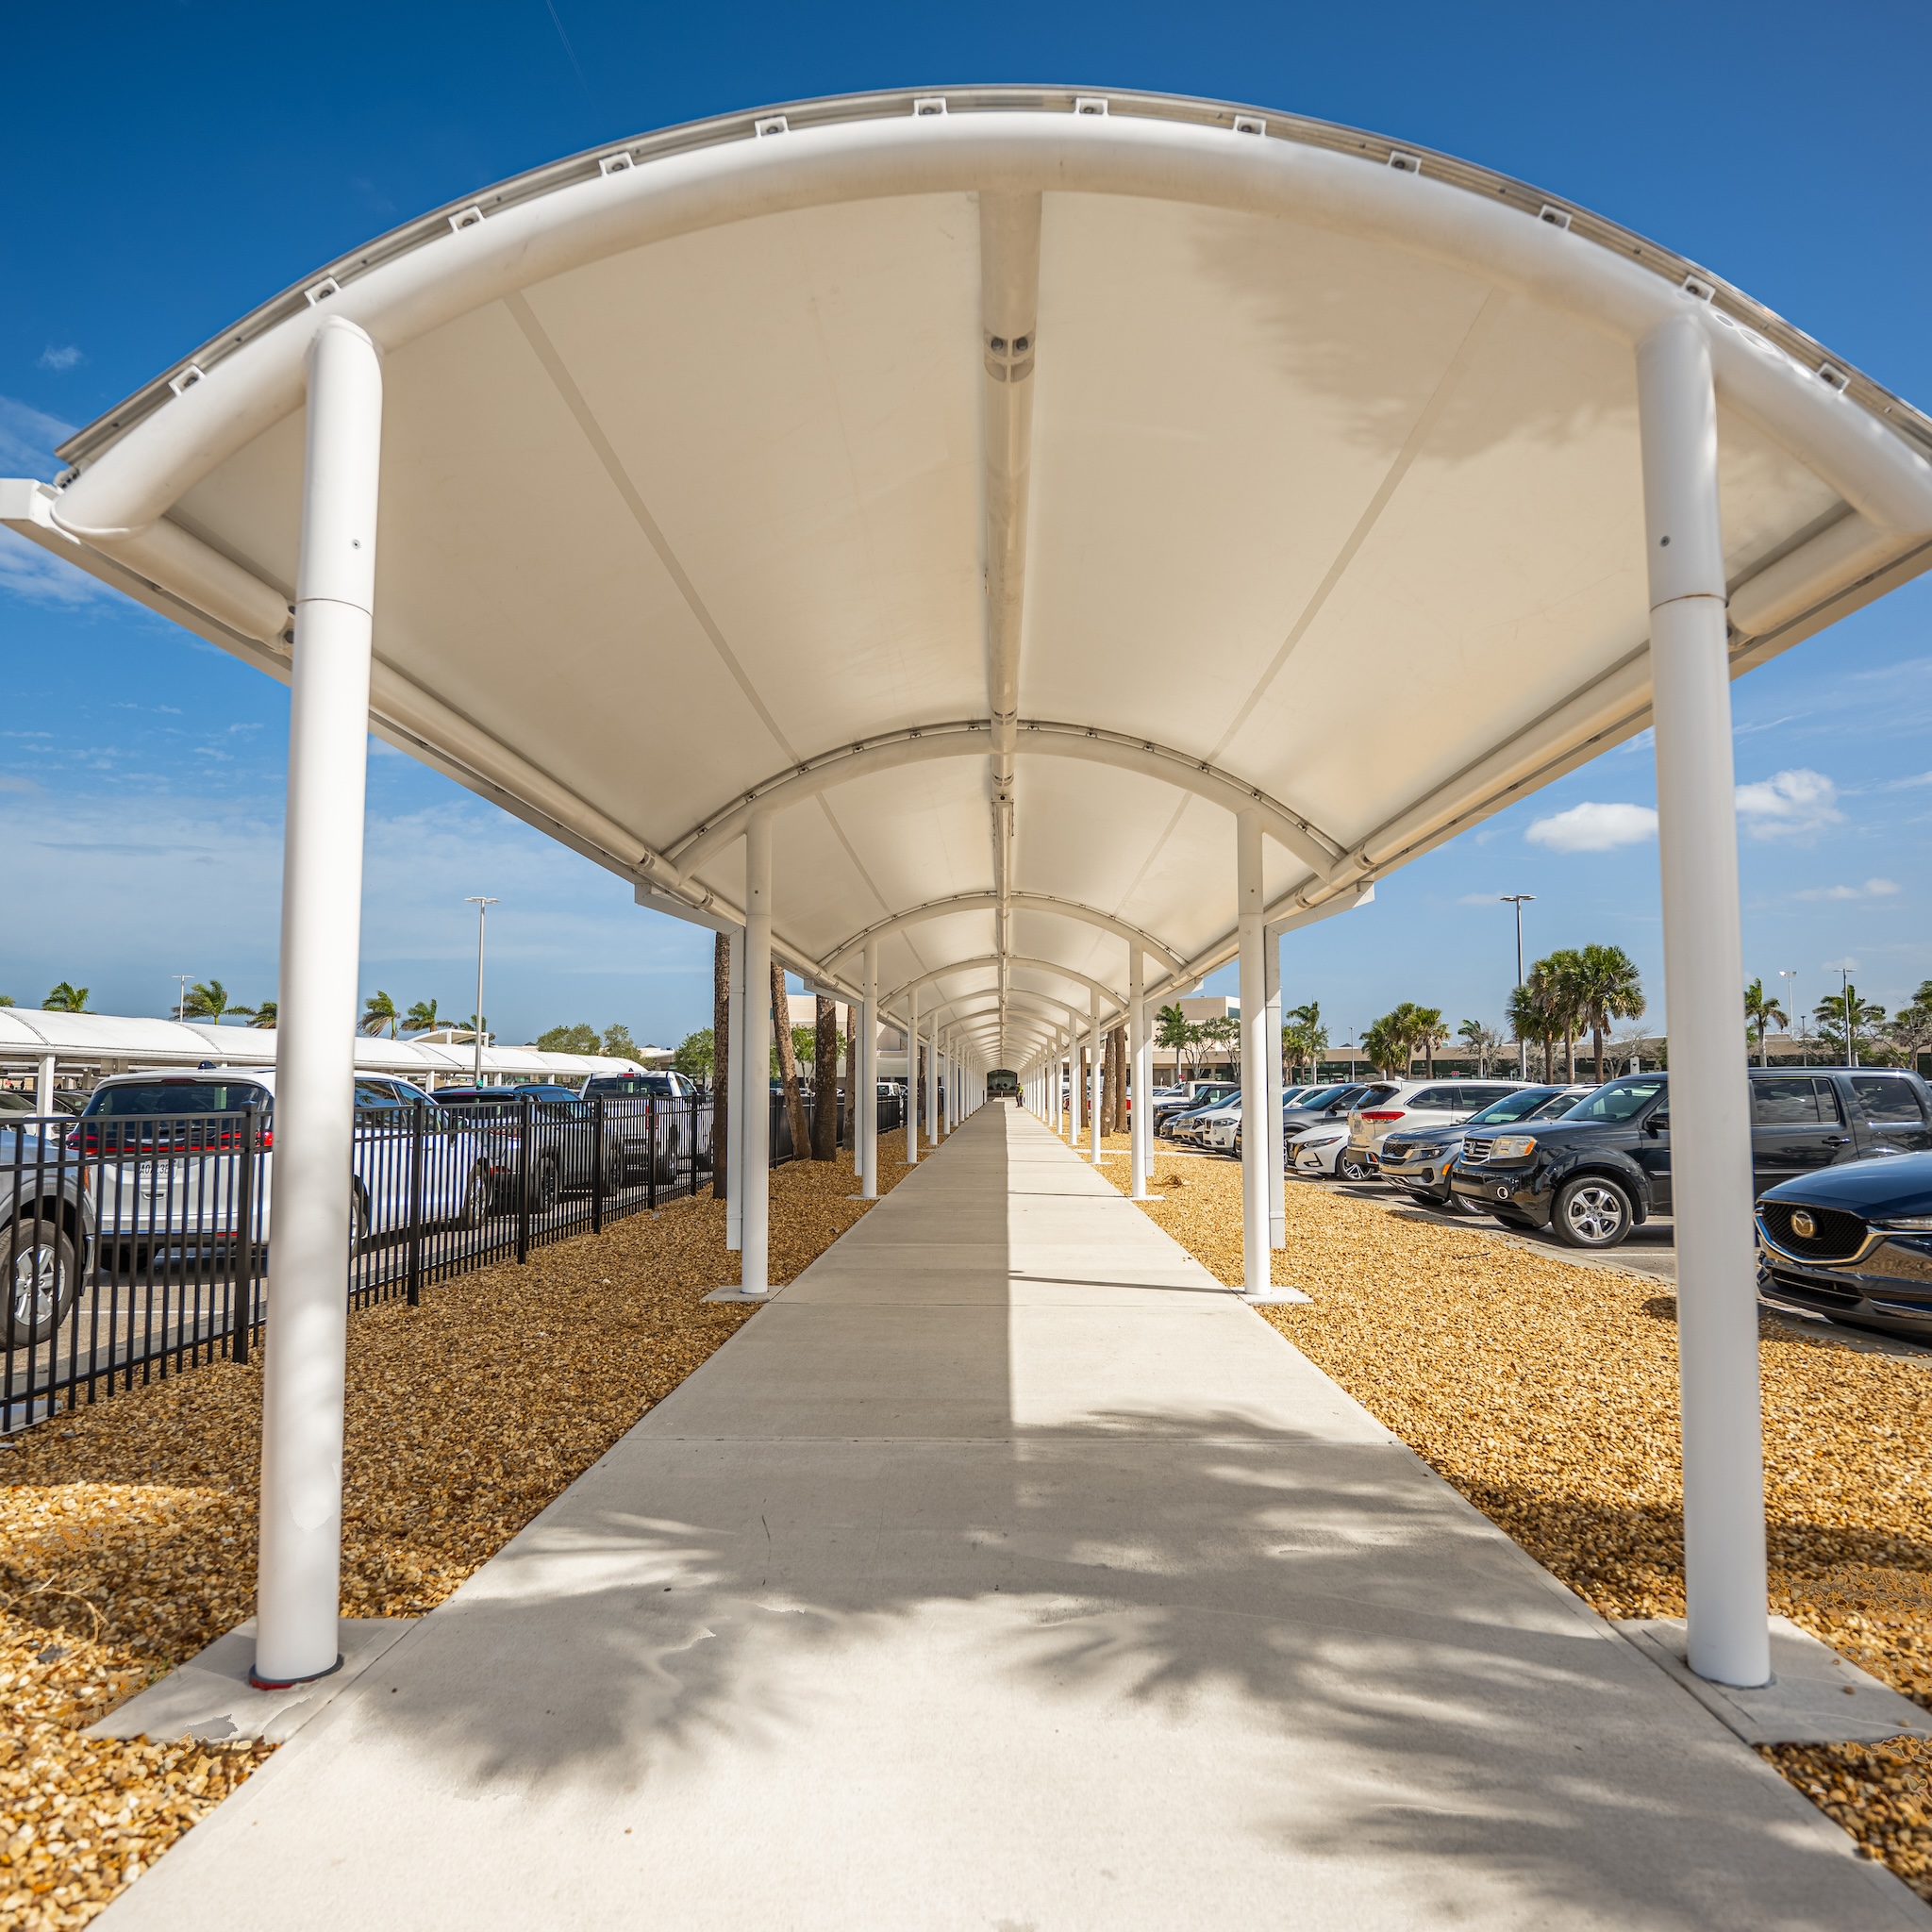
1004,486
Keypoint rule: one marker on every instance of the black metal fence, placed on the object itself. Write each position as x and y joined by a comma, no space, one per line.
136,1247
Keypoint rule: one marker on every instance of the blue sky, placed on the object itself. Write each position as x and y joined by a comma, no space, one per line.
172,164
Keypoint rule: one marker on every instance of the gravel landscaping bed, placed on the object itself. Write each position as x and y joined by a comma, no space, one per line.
1547,1393
128,1531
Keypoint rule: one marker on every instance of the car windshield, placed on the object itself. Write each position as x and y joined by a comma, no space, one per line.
1514,1107
1622,1100
1321,1097
162,1097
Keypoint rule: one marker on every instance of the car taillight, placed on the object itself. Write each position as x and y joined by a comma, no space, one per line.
268,1139
1396,1116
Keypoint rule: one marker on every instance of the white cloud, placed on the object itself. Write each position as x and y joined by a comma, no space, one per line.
1592,828
1791,805
27,438
62,359
1872,888
27,571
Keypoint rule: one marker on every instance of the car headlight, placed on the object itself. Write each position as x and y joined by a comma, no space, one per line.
1906,1224
1512,1147
1324,1141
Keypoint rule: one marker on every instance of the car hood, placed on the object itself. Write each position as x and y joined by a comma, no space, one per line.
1425,1136
1884,1187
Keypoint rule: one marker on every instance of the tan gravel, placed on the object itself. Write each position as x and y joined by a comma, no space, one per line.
128,1531
1546,1392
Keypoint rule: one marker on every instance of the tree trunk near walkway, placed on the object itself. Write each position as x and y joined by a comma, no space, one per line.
721,1064
852,1079
824,1073
787,1065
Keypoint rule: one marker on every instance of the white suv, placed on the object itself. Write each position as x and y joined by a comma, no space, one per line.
1413,1104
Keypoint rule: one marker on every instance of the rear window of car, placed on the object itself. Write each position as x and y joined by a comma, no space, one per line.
1435,1100
1516,1104
628,1086
1882,1099
1622,1100
1486,1094
1791,1100
164,1097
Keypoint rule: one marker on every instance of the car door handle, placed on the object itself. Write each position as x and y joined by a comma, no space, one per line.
1838,1140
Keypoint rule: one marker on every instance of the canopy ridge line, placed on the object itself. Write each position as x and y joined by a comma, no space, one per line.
1016,902
985,960
1323,855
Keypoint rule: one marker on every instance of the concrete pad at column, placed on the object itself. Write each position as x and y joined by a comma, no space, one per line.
915,1609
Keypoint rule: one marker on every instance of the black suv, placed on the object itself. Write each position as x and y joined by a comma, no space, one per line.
1593,1175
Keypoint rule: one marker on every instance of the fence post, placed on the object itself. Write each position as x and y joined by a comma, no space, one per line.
241,1263
597,1163
415,1204
651,1159
690,1141
526,1119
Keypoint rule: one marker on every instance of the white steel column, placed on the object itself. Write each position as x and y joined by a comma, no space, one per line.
1710,1120
43,1086
1094,1074
1278,1179
1076,1076
737,1103
298,1590
932,1081
868,1073
1254,1262
754,1265
912,1082
1141,1081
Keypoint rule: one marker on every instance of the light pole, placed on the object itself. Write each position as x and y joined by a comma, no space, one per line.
181,1004
1790,976
1520,900
482,906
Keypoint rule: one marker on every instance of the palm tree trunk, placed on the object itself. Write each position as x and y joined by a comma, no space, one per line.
1596,1047
788,1063
824,1073
1569,1057
852,1079
720,1065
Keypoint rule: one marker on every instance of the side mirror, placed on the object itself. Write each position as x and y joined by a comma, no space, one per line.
1657,1124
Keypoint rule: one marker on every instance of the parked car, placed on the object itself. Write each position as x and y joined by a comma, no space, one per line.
17,1100
1605,1165
564,1144
1187,1098
1853,1243
1218,1128
1420,1160
169,1145
1317,1130
677,1143
1413,1104
46,1231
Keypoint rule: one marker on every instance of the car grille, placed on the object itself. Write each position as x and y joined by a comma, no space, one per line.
1785,1288
1477,1149
1836,1236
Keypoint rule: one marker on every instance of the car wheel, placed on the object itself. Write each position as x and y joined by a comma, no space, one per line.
477,1192
43,1276
1352,1167
1591,1213
545,1189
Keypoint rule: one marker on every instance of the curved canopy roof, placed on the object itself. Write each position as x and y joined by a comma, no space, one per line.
1004,486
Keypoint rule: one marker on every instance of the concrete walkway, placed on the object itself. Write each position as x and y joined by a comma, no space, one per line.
1008,1573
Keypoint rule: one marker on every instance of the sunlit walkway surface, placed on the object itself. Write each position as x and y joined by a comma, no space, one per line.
1008,1573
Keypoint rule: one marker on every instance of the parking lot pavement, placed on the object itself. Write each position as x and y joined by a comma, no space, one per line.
1650,1250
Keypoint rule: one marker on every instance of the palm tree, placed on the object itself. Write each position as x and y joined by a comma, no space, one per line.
1604,983
379,1011
421,1017
1762,1011
1390,1043
264,1015
1532,1015
1844,1014
1483,1044
208,1000
1304,1037
825,1068
1428,1032
1563,973
785,1041
1912,1028
66,999
1173,1032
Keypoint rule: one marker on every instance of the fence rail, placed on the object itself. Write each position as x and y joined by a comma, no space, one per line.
138,1246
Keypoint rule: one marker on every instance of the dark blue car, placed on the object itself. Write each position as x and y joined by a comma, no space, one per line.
1853,1243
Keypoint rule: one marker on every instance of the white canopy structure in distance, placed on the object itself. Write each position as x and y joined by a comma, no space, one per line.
921,533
